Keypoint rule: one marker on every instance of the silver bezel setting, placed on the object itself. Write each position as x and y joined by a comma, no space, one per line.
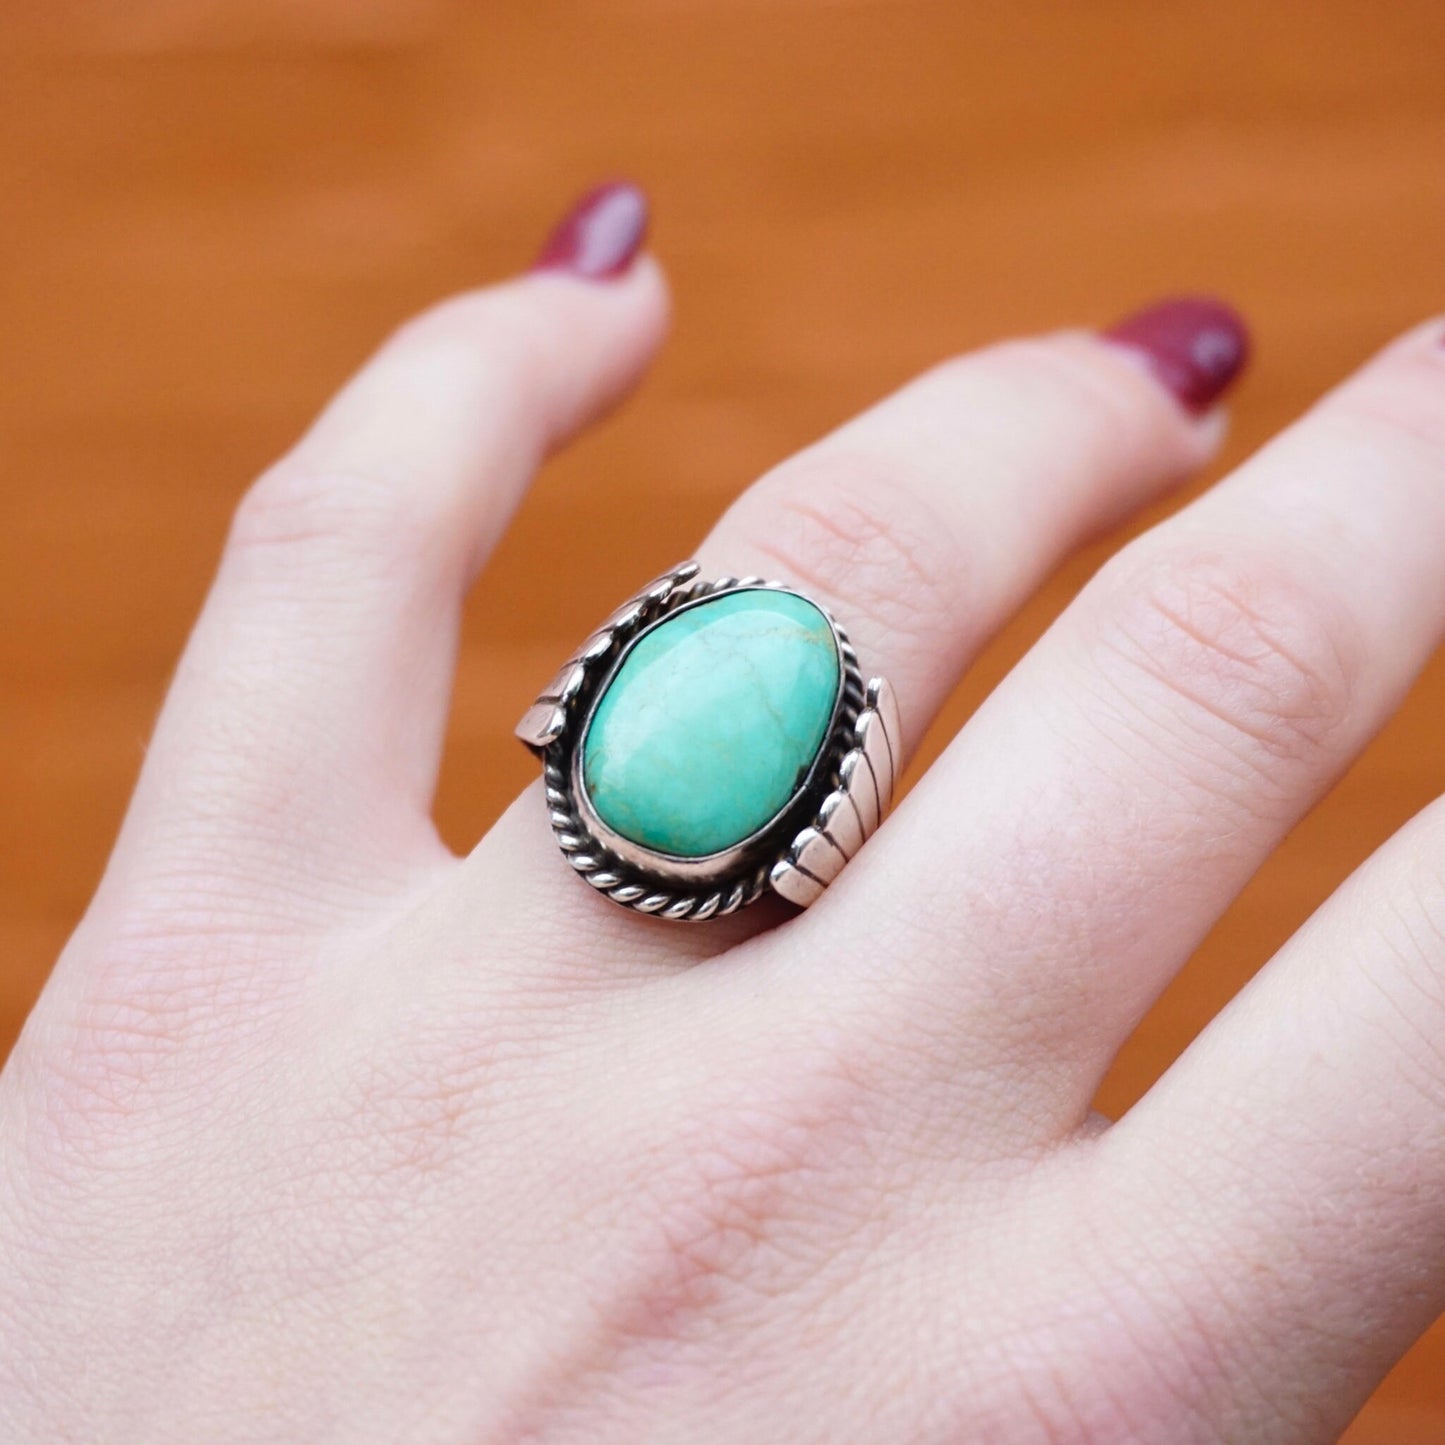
796,852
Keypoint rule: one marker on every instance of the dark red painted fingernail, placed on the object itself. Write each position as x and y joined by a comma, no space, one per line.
599,238
1195,345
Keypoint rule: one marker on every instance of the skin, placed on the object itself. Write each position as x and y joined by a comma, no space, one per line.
321,1133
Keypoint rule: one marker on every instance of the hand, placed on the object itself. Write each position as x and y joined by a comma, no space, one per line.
320,1133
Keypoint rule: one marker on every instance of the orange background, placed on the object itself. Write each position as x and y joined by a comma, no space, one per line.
212,208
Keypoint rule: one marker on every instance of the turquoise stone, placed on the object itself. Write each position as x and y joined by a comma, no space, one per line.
711,723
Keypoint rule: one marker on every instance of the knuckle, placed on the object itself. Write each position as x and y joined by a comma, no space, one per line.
150,1011
1101,418
851,529
495,337
1246,647
103,1071
411,1107
490,353
179,979
296,508
1060,376
1396,406
741,1202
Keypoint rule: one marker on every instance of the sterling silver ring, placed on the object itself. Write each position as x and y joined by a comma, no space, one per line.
712,740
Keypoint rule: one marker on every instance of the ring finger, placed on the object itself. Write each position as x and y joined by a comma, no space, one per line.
922,524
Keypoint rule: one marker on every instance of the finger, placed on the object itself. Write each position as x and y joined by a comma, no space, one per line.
923,523
926,521
1296,1153
304,725
1095,818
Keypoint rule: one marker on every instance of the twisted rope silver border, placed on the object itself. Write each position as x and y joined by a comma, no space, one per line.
550,729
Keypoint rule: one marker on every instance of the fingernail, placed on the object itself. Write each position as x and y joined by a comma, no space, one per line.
599,238
1196,346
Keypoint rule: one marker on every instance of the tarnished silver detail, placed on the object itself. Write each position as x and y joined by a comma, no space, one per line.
838,818
830,816
866,779
546,720
790,882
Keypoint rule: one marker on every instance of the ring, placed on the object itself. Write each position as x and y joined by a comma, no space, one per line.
711,740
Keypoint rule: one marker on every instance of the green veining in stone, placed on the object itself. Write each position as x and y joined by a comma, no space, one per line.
710,725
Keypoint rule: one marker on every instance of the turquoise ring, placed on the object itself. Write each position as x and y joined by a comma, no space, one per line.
710,741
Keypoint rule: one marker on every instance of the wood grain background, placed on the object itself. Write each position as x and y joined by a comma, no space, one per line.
212,208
